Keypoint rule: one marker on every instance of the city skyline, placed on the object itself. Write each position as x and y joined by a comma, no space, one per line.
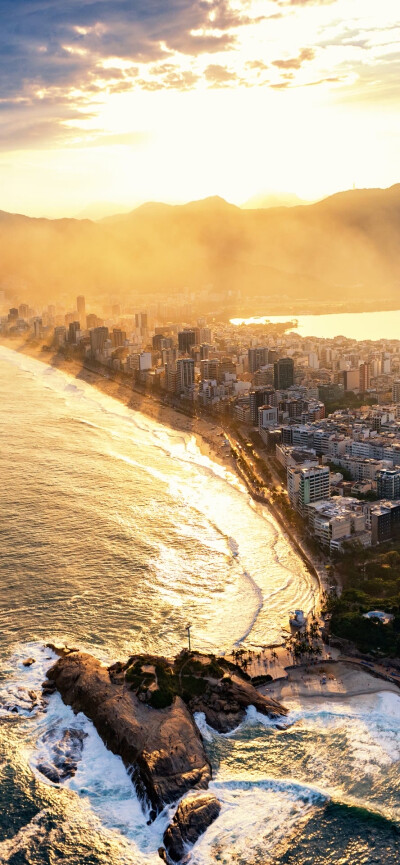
126,102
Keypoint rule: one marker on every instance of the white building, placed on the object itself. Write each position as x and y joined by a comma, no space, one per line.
307,485
267,416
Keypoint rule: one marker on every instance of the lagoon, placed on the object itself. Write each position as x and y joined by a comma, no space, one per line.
353,325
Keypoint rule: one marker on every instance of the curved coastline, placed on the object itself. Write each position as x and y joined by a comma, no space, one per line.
207,432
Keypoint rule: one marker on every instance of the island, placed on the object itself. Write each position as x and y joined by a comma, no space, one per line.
143,710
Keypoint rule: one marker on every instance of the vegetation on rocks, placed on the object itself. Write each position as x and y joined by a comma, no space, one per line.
187,677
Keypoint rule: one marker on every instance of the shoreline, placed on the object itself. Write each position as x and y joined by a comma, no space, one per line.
333,680
208,434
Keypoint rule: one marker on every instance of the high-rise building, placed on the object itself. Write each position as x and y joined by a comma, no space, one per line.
145,361
350,378
185,373
186,338
283,373
98,337
257,357
204,350
205,335
388,484
23,310
141,320
170,376
93,320
118,337
307,485
158,341
60,335
81,307
209,369
267,416
385,521
226,365
364,377
396,391
70,317
257,399
37,328
73,330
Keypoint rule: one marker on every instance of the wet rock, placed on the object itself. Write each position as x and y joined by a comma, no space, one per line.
61,651
49,772
65,751
194,815
224,703
28,662
48,688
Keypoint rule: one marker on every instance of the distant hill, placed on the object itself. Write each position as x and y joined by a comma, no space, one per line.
263,201
345,247
101,209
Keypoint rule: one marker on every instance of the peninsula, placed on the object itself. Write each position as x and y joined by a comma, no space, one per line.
143,710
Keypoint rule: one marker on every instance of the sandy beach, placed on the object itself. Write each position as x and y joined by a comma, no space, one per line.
209,435
332,680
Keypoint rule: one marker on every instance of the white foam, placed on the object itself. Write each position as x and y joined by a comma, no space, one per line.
101,780
18,680
371,724
251,719
256,817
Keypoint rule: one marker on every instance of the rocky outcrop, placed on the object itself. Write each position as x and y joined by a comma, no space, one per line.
143,711
64,754
161,748
225,706
193,816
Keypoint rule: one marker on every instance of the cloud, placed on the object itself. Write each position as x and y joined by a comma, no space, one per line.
59,59
75,50
295,62
24,125
307,2
50,43
219,75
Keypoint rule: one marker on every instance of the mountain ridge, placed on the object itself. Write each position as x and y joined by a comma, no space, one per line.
346,245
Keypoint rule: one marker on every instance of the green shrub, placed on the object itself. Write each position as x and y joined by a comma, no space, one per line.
192,686
161,698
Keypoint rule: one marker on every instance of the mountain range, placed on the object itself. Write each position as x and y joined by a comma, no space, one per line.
344,249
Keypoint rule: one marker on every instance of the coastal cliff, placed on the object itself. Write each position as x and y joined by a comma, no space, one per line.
143,710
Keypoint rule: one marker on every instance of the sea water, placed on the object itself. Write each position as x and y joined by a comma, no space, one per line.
115,532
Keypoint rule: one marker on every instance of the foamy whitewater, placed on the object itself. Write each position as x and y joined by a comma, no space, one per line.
115,532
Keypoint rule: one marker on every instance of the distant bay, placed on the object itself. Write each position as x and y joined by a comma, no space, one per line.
353,325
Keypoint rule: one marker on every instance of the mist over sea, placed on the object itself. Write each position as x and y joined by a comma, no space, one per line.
115,532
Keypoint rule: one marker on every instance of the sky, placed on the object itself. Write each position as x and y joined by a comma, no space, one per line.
128,101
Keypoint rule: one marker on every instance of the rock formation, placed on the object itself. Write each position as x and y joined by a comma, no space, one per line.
193,816
161,748
143,712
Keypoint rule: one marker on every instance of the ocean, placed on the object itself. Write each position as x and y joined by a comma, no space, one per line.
116,531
